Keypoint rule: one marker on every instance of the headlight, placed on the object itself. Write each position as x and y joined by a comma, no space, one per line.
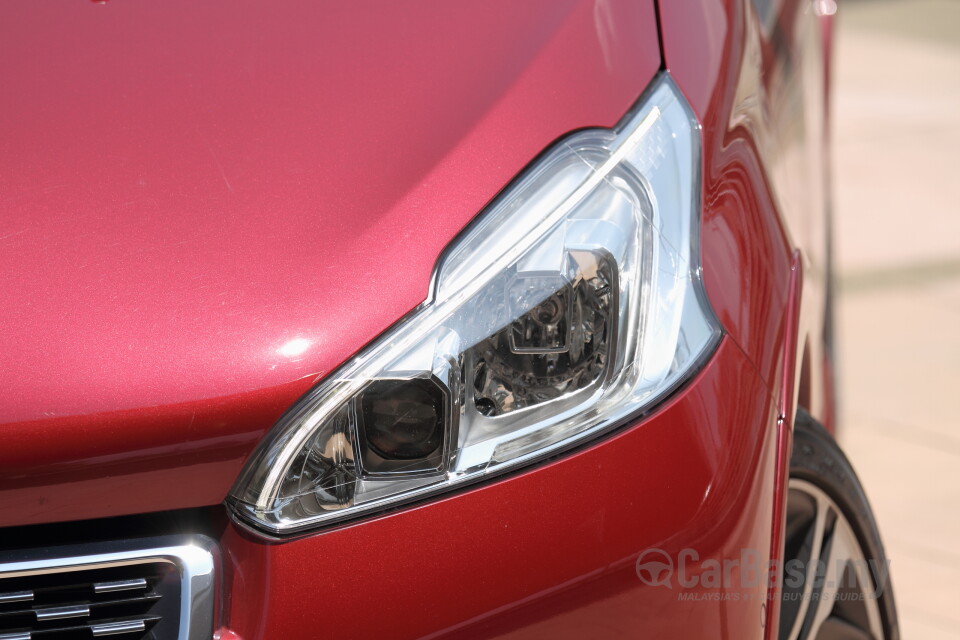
571,305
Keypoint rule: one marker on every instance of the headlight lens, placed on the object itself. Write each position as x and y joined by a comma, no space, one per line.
572,304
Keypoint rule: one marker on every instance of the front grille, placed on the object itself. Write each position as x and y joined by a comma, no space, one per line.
138,589
135,602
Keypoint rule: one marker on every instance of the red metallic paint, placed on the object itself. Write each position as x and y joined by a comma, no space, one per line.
786,412
190,187
152,458
746,258
745,81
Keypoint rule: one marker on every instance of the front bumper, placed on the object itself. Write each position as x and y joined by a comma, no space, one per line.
549,552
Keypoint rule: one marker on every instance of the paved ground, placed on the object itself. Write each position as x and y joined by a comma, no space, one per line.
897,149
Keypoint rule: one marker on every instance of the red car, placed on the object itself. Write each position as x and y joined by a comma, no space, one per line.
459,320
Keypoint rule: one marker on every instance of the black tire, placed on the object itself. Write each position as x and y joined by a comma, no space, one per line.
818,461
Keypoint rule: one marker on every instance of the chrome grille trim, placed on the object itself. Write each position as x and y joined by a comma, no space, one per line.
15,596
195,558
62,613
117,628
119,585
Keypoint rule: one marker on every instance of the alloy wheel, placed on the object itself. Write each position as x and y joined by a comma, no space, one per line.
829,591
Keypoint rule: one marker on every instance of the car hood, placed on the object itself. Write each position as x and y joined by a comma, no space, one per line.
204,207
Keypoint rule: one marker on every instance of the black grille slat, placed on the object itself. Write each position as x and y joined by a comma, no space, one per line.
135,602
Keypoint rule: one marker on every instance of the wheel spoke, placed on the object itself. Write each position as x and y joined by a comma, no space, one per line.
837,629
815,538
832,564
839,594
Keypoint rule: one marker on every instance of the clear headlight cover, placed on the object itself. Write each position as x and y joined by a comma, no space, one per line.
572,304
